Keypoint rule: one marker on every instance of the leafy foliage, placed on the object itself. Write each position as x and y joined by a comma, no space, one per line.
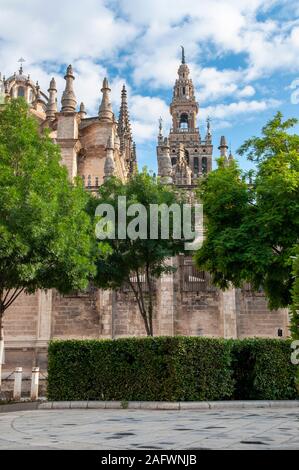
120,259
252,229
170,368
159,368
263,369
45,232
295,298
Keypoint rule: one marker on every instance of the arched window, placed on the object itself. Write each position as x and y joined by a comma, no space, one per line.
204,165
173,160
195,165
97,181
30,96
21,91
184,121
89,181
184,90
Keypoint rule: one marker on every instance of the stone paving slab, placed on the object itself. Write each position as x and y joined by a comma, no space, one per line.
263,428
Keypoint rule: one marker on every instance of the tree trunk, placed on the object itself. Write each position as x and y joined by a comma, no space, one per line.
150,302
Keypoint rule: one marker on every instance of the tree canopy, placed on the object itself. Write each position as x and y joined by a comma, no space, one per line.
136,262
45,232
252,227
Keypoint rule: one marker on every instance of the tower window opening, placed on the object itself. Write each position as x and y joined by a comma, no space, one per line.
89,181
204,165
184,90
195,165
173,160
97,181
184,121
21,91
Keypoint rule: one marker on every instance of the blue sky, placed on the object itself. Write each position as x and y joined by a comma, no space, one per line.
243,56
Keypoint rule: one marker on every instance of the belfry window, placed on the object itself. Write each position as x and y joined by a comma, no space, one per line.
173,161
184,90
21,91
184,121
204,165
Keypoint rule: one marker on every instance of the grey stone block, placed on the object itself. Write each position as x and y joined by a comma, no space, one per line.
194,405
79,404
47,405
113,405
61,405
134,405
284,404
100,405
168,405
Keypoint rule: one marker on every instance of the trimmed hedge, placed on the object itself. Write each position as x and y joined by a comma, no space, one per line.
263,370
159,368
171,369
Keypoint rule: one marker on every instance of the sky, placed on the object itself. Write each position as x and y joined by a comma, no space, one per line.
243,57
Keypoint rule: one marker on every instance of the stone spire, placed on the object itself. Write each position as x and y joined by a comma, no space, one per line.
82,112
223,147
124,126
209,133
160,135
52,102
230,157
68,100
109,167
164,163
133,161
105,110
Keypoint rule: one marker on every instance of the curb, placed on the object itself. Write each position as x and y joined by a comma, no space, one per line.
151,405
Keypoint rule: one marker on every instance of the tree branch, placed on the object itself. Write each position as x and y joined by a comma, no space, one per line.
14,296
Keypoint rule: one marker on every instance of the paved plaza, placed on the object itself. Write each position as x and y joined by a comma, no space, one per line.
148,429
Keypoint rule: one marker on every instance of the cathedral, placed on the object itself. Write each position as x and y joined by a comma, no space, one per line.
96,148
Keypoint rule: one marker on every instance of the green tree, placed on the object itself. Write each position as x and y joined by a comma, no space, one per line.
295,298
252,228
45,232
136,262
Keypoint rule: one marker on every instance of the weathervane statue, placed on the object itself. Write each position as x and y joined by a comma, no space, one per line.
183,54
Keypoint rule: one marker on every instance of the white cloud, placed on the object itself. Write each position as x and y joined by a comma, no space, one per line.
247,91
145,112
231,110
60,32
144,38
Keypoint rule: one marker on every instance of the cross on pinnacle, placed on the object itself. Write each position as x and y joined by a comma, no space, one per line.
21,60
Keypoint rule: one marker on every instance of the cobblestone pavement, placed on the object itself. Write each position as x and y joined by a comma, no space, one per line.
142,429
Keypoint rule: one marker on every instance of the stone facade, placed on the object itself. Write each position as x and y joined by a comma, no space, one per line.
185,302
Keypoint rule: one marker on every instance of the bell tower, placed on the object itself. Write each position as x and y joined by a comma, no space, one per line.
185,141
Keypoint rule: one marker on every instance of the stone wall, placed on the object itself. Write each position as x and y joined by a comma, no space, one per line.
185,303
255,319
